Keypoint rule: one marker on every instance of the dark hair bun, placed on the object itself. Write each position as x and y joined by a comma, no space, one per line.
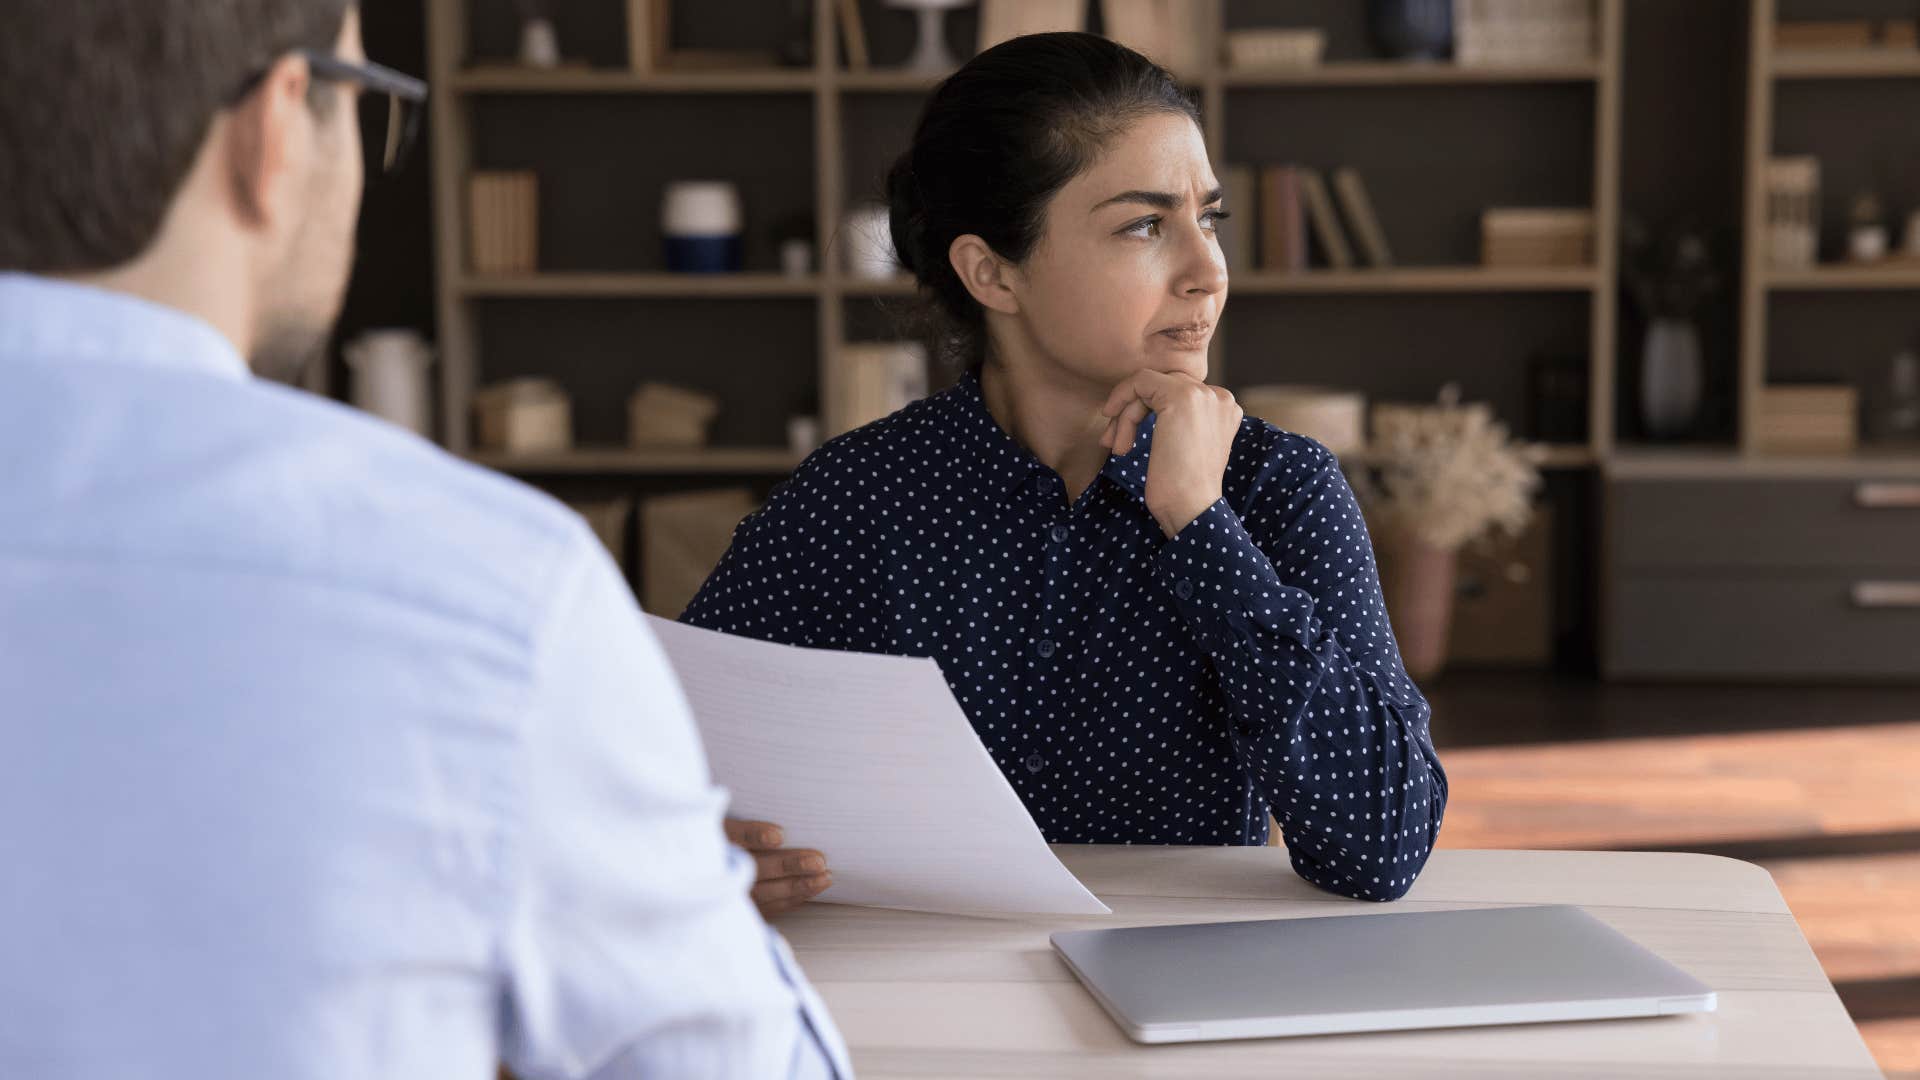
995,142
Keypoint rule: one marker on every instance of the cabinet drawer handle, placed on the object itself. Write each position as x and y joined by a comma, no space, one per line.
1887,496
1886,594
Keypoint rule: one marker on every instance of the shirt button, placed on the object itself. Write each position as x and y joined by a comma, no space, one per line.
1044,647
1183,589
1035,763
1059,534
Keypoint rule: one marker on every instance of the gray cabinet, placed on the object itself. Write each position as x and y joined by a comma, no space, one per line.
1745,577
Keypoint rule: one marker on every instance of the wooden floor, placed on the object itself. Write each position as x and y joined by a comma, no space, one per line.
1819,785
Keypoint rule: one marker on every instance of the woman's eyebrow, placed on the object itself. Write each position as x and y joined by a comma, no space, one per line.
1159,200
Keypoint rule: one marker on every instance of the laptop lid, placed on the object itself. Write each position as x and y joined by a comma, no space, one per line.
1309,976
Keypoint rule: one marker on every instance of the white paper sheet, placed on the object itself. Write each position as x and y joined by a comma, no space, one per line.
869,759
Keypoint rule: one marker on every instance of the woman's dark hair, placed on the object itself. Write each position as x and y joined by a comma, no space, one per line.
994,144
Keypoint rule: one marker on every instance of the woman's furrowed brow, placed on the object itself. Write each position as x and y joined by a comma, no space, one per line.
1159,200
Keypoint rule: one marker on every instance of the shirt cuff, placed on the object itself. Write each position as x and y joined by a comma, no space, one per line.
1226,587
822,1051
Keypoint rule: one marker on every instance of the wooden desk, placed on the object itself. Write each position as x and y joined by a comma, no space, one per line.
946,996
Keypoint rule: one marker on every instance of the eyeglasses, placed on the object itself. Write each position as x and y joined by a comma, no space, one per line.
393,128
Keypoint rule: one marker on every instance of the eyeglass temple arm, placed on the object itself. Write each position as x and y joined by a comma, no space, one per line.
370,75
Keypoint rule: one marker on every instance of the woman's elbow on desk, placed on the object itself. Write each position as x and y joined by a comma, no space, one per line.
1362,886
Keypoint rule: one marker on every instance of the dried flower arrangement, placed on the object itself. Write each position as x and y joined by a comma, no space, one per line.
1448,473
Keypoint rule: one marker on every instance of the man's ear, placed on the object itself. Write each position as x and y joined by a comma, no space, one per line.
987,276
264,144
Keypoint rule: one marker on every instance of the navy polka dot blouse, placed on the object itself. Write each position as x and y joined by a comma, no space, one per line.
1134,689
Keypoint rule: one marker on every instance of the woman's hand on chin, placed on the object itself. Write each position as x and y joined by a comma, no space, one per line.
784,878
1192,440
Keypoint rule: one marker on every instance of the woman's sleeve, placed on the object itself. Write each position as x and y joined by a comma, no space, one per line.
769,585
1287,604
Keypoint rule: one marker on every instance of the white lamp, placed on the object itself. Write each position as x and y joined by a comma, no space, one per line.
931,56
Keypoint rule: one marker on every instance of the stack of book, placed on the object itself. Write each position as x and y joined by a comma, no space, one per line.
1793,211
1512,32
1298,225
1536,237
503,222
1275,48
1808,418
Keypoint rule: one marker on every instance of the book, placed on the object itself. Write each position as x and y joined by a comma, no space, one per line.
1793,211
644,30
503,222
1283,236
1326,226
854,34
1358,209
1240,197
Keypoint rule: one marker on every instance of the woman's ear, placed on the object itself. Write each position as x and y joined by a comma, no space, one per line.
984,274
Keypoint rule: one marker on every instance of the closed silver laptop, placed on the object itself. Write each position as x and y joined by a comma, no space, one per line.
1384,972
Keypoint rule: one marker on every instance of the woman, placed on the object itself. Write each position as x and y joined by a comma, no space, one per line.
1162,618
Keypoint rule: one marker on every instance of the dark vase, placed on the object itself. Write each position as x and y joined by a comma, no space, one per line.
1411,29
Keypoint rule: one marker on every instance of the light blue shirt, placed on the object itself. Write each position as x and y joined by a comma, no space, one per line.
327,755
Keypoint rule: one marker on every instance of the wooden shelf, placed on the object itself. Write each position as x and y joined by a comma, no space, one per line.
1846,63
902,285
1418,279
1558,456
503,79
1895,274
1650,463
588,285
884,81
1568,456
1409,279
1376,73
619,460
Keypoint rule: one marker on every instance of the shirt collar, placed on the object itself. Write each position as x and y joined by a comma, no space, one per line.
46,318
1008,465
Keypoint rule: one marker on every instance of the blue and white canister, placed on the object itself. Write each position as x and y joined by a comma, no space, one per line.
700,220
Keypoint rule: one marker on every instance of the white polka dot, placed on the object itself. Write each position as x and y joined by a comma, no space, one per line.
1134,689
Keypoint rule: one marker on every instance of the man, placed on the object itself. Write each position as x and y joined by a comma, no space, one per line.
326,755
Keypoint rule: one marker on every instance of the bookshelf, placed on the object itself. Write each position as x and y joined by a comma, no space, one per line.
1354,110
1803,101
835,129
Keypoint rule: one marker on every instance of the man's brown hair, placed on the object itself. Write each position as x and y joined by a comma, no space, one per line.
105,103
